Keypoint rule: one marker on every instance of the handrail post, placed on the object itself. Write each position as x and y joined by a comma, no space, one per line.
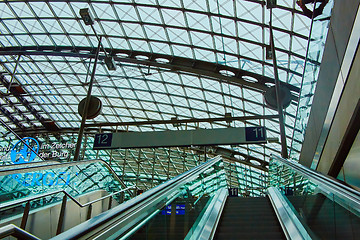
61,215
88,215
25,215
110,201
122,197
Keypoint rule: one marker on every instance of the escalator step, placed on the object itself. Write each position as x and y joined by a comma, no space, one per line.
248,218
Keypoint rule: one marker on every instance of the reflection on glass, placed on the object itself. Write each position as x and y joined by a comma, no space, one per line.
319,31
350,170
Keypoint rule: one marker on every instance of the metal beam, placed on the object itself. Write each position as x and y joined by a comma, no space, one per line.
195,11
12,118
48,124
212,70
94,128
13,73
230,154
184,121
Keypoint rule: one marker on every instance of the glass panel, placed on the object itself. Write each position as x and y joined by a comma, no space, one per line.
175,219
350,171
327,215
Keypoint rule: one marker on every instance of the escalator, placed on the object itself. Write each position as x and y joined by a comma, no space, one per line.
299,204
241,218
149,215
248,218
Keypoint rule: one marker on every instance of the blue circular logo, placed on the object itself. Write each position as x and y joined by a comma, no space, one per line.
21,153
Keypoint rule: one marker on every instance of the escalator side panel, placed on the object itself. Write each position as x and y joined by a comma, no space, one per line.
325,218
173,226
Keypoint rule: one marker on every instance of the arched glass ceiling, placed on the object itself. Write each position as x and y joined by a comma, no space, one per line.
175,58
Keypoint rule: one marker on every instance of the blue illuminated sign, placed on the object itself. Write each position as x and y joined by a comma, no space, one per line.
43,179
180,209
166,211
21,153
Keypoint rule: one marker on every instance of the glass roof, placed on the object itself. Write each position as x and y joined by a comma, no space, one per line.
179,59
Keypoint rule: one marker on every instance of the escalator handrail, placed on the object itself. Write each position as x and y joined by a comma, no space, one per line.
290,223
206,227
38,166
104,220
325,182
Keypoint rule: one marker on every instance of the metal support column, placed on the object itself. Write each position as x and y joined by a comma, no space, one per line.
184,159
137,173
168,170
205,154
153,168
87,103
284,152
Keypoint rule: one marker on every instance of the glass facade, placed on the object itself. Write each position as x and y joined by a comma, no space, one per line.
175,60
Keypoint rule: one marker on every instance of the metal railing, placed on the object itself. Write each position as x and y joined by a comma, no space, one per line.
122,219
27,200
38,166
206,227
12,230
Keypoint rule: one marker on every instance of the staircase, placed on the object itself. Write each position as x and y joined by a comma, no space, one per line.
248,218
